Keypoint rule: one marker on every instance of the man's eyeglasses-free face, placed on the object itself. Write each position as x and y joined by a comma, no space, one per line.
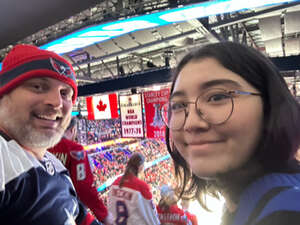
215,106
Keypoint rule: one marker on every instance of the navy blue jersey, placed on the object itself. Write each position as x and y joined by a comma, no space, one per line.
271,200
35,192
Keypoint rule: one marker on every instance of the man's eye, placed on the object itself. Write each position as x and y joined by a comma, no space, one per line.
66,94
37,87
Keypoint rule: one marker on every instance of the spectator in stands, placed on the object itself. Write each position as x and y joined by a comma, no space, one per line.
114,165
130,198
185,203
75,159
37,91
96,131
233,129
168,211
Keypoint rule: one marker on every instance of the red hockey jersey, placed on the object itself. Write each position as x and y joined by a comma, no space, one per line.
75,159
191,217
174,216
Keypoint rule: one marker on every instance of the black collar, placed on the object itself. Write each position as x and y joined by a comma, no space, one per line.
5,136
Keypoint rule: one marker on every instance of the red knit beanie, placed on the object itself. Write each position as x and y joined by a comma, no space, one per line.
27,61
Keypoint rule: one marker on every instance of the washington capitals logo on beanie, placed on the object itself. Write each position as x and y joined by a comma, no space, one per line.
24,62
61,67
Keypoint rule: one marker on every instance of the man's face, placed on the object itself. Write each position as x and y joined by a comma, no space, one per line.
36,113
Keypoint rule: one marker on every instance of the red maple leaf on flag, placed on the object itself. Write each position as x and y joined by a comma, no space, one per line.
101,106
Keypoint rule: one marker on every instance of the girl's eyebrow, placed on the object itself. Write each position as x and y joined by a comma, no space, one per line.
177,93
207,85
213,83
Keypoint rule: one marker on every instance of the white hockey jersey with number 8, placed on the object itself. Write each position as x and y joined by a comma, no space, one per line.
132,204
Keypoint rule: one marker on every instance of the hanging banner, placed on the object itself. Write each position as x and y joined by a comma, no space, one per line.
131,116
153,101
102,107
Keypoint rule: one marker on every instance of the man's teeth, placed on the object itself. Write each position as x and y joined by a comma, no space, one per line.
47,117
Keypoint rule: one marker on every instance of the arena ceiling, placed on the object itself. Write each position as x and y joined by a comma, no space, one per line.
273,30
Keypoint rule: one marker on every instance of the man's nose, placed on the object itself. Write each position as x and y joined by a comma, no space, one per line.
54,98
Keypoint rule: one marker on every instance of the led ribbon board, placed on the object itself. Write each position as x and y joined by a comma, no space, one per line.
98,33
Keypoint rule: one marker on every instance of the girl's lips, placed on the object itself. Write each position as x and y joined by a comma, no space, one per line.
203,142
203,147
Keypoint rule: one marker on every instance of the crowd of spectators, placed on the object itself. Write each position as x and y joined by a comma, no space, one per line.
96,131
110,158
110,161
158,175
109,164
152,148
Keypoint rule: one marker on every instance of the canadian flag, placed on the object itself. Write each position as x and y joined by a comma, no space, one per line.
102,107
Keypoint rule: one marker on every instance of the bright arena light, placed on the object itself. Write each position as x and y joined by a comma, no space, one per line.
205,217
98,33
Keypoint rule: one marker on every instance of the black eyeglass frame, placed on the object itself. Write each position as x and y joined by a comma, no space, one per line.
230,93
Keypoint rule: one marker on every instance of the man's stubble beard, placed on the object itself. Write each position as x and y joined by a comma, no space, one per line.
26,135
36,139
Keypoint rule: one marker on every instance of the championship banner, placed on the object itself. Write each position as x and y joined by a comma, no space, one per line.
153,101
102,107
132,124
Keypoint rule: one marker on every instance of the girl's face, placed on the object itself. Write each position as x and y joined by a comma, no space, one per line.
215,149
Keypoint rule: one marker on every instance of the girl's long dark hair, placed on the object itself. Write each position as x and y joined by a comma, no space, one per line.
281,129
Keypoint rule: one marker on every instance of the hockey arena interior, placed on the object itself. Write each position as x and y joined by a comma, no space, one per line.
123,53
